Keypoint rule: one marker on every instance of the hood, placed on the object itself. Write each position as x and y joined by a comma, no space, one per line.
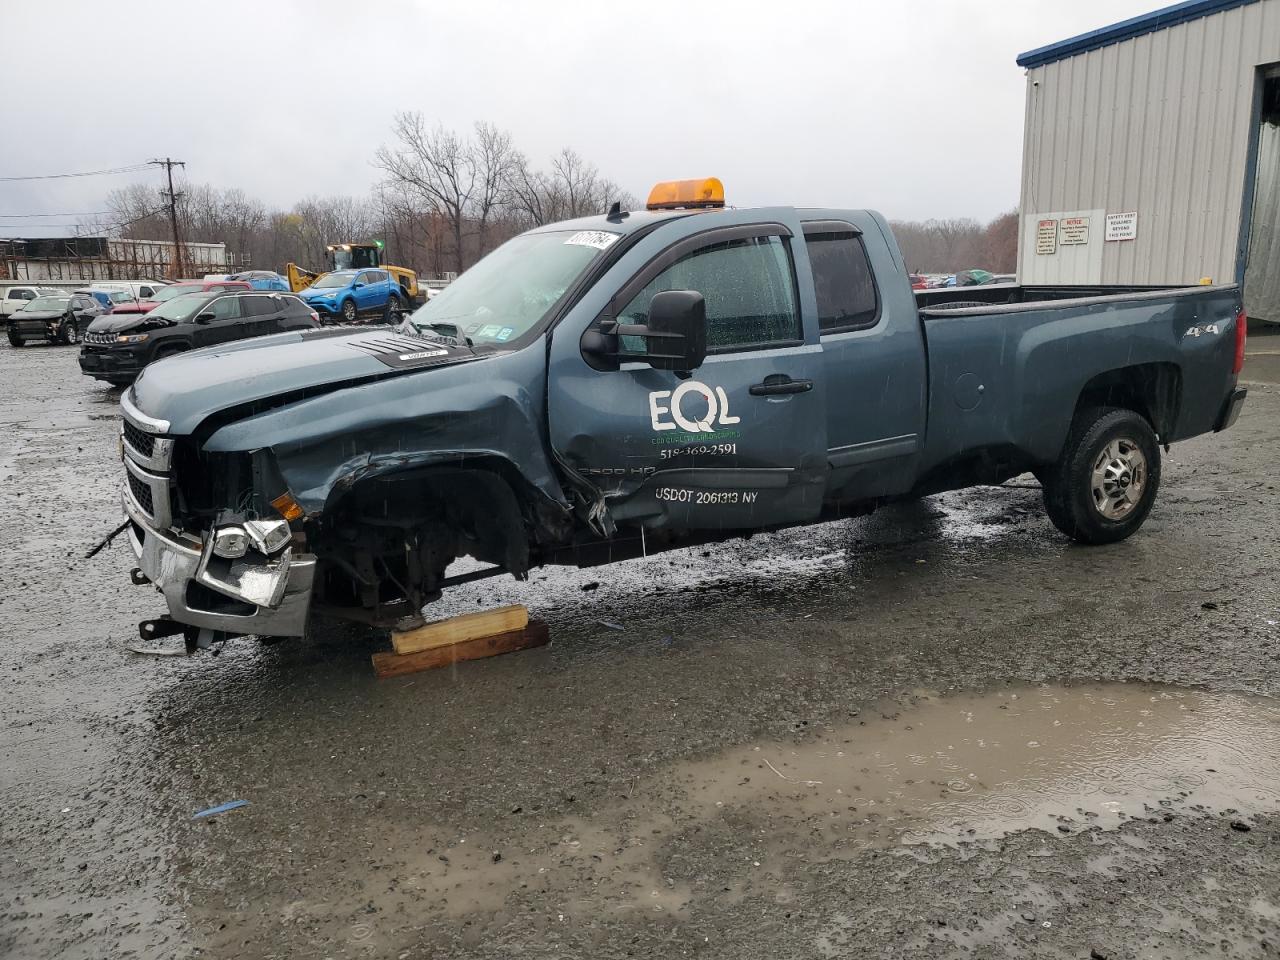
123,322
44,315
188,388
320,293
138,306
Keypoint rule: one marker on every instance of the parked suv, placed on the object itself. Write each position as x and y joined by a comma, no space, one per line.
117,346
348,294
58,318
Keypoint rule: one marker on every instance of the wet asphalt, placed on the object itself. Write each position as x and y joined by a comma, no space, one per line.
579,800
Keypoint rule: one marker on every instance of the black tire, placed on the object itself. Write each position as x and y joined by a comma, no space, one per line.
393,309
69,333
1089,492
349,312
15,340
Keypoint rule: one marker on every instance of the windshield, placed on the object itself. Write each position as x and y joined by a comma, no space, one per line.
179,308
176,290
507,293
332,280
49,303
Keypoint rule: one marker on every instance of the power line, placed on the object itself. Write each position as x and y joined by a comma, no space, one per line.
26,216
88,173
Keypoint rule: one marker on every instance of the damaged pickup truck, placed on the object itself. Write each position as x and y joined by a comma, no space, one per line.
619,385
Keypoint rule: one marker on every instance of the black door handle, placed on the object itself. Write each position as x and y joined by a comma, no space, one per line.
779,383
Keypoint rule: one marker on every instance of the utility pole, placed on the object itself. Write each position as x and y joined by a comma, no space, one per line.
169,164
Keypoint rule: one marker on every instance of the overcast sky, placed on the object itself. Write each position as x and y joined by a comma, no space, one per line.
912,107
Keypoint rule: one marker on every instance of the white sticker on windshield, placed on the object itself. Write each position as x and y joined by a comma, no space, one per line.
600,239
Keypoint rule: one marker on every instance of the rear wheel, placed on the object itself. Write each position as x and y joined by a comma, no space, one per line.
1104,484
69,333
349,311
393,309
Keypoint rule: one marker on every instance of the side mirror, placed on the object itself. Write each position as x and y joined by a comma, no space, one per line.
357,285
206,317
675,336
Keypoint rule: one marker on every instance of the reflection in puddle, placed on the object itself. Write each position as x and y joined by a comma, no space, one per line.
979,767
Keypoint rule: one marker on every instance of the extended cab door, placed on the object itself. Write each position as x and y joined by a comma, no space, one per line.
873,356
739,443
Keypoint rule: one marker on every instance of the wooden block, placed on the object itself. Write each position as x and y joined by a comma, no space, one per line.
398,664
467,626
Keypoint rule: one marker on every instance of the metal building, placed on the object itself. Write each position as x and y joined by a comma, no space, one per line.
1152,153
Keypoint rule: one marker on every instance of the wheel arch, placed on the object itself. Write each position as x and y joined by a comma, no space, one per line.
1153,390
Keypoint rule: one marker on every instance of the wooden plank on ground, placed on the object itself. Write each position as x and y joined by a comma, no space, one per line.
388,664
466,626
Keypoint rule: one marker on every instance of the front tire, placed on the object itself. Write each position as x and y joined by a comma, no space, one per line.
69,333
15,340
1104,484
349,311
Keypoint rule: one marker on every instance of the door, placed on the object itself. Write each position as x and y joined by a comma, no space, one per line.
85,310
737,444
226,324
873,357
261,315
367,295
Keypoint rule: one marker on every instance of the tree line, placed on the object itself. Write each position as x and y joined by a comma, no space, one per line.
446,198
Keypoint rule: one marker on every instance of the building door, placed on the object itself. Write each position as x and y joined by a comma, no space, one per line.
1262,266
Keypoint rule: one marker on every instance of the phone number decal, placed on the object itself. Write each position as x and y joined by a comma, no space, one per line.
698,450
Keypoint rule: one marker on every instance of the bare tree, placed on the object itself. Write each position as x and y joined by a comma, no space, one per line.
439,165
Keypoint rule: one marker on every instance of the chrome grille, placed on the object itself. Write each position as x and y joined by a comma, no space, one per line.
144,443
99,338
141,494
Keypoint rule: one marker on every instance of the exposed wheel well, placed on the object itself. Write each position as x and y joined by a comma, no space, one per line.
388,539
1151,389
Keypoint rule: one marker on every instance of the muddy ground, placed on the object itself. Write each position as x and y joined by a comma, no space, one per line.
938,731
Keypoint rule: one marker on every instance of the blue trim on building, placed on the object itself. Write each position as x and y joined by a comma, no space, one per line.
1128,29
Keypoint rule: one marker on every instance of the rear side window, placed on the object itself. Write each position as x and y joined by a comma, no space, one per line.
146,293
258,306
748,288
843,281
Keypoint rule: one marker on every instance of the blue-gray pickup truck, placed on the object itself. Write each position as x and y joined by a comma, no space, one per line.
614,386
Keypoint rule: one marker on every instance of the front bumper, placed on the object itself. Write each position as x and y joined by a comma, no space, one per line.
177,564
33,329
114,364
268,595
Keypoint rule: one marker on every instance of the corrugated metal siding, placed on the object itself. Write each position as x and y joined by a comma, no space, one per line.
1159,124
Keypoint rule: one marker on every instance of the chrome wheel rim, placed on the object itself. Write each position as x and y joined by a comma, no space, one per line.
73,334
348,311
1119,478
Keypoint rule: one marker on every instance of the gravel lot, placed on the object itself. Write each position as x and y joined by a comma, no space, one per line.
938,731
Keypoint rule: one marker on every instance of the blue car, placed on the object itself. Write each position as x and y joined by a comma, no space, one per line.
262,280
348,295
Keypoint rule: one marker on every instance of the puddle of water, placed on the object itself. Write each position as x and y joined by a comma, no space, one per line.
929,770
946,769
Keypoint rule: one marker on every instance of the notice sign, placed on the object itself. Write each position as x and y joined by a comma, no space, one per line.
1046,236
1122,226
1073,231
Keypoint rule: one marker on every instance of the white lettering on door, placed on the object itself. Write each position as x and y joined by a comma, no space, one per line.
664,403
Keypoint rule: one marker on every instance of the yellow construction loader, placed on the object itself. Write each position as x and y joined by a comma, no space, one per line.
357,256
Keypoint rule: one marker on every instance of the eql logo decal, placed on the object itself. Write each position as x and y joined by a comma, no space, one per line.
664,404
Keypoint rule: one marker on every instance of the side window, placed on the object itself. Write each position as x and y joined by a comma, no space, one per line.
749,291
258,306
146,293
23,294
843,281
224,308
